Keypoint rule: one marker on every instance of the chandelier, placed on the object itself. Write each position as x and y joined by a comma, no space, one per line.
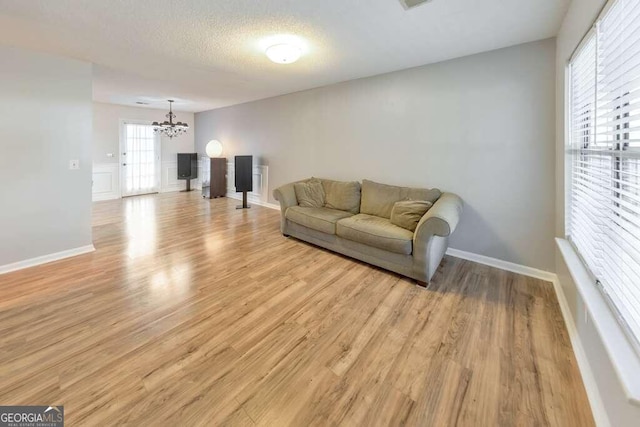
168,128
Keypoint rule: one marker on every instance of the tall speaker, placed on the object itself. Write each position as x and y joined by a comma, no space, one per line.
188,167
244,177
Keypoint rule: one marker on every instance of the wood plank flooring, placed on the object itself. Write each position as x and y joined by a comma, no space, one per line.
191,312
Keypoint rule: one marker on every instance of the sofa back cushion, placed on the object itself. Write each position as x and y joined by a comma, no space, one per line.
378,199
344,196
310,194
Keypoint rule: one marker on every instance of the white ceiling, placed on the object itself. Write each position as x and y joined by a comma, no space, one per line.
208,53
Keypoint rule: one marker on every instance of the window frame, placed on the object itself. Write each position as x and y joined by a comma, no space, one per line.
571,150
598,317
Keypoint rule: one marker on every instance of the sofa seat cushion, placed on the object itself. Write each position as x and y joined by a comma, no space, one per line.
377,232
320,219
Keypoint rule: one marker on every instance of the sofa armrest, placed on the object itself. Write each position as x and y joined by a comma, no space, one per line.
441,219
431,237
286,195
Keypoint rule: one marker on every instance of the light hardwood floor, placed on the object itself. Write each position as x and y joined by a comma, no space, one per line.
191,312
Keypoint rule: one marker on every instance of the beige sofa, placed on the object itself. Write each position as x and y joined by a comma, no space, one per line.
355,221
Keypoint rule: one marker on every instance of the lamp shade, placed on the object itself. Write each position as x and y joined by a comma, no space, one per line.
214,148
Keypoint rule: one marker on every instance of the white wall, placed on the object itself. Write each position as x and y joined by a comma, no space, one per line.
480,126
45,121
578,20
106,139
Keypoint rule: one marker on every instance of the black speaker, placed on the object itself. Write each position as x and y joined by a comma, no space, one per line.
244,173
244,178
187,165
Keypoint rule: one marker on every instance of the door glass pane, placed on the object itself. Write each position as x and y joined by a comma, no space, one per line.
140,159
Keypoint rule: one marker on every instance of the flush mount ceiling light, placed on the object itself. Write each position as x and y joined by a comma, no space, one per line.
168,128
283,53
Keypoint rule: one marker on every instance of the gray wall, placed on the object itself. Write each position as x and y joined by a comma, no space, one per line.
579,18
480,126
45,121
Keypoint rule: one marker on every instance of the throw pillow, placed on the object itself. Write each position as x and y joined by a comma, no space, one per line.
310,194
378,199
407,213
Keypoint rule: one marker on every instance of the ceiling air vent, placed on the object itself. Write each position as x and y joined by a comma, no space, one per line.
410,4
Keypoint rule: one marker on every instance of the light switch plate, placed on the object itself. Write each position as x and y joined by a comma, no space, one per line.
74,164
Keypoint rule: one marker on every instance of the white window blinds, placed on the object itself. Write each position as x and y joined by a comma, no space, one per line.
603,206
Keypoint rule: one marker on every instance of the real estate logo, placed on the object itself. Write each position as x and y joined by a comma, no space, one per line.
31,416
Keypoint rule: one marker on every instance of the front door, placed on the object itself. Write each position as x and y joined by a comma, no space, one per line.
140,159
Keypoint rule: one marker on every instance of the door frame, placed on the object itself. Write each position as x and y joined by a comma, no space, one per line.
122,158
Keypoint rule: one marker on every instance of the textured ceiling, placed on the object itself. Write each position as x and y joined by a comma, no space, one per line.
209,53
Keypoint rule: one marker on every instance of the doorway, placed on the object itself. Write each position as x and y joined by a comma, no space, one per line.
139,159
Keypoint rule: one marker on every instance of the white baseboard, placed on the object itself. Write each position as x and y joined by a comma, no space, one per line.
102,198
172,189
45,259
254,201
588,379
503,265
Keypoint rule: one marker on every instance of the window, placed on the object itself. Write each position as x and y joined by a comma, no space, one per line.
603,202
